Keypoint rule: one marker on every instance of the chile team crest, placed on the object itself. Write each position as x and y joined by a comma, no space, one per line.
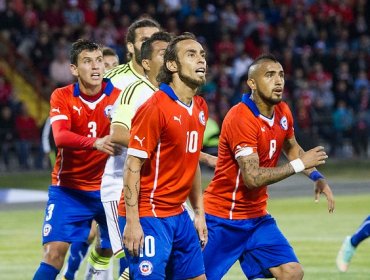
108,111
146,268
202,118
284,123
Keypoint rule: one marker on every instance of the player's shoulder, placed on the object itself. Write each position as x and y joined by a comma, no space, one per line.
137,89
283,105
62,92
119,70
140,85
238,110
200,100
283,108
159,96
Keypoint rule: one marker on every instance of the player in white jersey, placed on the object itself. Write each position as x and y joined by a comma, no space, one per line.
126,105
121,76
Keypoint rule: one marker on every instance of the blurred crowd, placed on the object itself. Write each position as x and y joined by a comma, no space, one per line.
323,45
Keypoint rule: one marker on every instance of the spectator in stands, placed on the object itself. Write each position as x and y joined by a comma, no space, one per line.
73,15
6,90
53,16
60,68
7,135
342,122
332,34
27,136
11,25
30,17
41,53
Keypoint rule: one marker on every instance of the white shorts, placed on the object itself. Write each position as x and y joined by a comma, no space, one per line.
115,236
112,180
111,188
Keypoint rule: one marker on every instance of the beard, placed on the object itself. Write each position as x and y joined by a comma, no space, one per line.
137,55
191,82
270,100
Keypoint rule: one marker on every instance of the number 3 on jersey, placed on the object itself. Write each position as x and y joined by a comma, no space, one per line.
191,141
92,126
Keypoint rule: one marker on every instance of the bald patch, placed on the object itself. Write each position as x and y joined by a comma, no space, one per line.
253,69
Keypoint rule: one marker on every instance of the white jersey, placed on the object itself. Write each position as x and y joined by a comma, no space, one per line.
123,75
124,110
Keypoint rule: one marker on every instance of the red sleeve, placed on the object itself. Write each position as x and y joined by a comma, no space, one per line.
242,134
145,130
64,138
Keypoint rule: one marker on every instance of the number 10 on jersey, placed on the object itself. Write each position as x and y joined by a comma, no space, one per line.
191,141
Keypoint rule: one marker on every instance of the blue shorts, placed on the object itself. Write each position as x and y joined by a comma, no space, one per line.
69,213
257,243
171,249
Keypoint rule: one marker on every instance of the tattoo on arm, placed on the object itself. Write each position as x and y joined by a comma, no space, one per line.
129,194
133,171
256,176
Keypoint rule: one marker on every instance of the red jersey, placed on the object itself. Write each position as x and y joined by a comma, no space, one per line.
245,130
169,134
77,165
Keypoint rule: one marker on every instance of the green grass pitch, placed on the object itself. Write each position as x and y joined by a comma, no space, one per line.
315,235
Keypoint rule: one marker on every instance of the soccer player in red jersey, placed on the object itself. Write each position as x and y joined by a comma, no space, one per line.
162,171
253,135
78,115
78,250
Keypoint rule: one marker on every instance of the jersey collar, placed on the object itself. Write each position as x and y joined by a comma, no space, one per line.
250,104
107,90
169,91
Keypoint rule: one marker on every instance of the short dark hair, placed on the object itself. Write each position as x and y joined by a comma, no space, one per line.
109,52
261,58
81,45
147,47
165,75
145,22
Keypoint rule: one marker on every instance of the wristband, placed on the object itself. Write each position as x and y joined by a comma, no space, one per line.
297,165
316,175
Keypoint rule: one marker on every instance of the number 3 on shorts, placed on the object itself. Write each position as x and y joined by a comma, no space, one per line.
49,213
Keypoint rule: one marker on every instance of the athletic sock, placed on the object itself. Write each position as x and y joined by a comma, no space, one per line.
78,252
123,264
46,272
362,233
97,266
